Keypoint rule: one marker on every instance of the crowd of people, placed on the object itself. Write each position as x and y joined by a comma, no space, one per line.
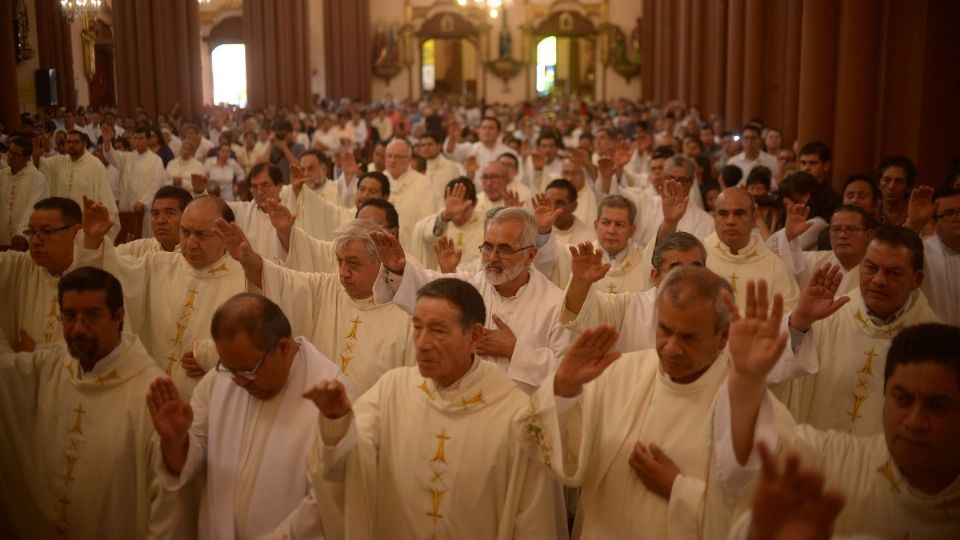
447,319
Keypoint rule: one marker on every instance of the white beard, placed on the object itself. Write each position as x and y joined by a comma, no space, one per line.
506,275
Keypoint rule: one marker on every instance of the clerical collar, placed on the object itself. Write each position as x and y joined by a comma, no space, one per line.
615,260
104,364
452,390
879,321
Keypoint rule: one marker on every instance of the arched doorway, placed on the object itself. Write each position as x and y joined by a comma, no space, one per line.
565,49
227,62
103,88
449,55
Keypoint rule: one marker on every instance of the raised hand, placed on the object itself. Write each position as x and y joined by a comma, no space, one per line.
330,397
622,154
586,263
921,207
674,200
755,341
817,298
390,252
189,363
545,213
96,222
471,166
234,240
588,356
456,202
500,342
511,199
655,469
448,255
796,220
199,182
792,503
281,217
171,415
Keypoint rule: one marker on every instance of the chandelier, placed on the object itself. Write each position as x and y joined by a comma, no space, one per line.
492,7
80,9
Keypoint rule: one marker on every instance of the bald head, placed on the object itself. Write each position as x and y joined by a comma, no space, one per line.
199,244
734,217
398,155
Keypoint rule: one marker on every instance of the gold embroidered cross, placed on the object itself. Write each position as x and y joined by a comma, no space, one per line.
440,455
733,281
344,362
221,268
858,316
78,421
886,471
112,374
353,331
426,390
178,339
71,463
867,368
171,361
611,288
857,403
74,444
62,516
192,297
466,403
348,347
436,496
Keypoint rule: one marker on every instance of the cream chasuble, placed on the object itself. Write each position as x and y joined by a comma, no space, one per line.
650,216
413,197
363,338
141,175
251,454
878,501
183,170
77,453
467,238
412,461
756,262
587,442
140,247
846,394
260,232
441,170
625,275
18,193
802,264
531,314
586,205
484,204
30,293
577,233
634,314
941,279
170,304
84,177
307,254
318,216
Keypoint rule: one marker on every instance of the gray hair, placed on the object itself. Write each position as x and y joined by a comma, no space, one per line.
618,201
529,235
678,241
254,315
687,284
682,161
357,230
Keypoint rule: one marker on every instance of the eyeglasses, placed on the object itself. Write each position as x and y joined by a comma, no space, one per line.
681,179
836,229
89,318
248,374
43,234
502,250
953,213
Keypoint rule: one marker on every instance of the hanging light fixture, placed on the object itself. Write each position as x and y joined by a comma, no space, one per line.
493,8
80,9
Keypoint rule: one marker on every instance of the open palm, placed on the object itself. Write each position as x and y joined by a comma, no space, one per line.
585,360
172,416
586,263
817,299
234,240
755,341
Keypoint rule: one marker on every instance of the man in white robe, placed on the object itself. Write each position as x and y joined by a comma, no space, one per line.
941,281
586,210
165,211
633,314
181,169
543,164
266,182
651,207
247,429
426,452
458,222
28,281
493,191
79,174
335,312
522,335
440,168
848,337
77,458
21,186
736,254
902,482
487,149
312,172
141,175
410,192
646,417
568,229
172,295
850,229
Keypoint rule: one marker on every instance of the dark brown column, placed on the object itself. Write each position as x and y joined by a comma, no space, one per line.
278,61
346,25
55,50
715,68
818,70
791,70
649,49
940,109
733,106
10,104
753,48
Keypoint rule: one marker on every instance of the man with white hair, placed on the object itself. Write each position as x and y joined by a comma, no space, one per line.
410,191
181,169
651,218
522,335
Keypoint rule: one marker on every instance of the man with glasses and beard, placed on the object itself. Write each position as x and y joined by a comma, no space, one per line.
521,333
22,185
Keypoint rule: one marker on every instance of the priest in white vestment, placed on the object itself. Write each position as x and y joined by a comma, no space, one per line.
941,269
165,211
311,172
77,456
253,217
488,148
737,254
410,192
850,229
458,221
568,229
522,335
440,168
181,168
336,312
849,337
497,190
426,452
632,314
141,175
79,174
21,186
586,210
543,164
247,429
171,296
902,482
635,435
28,281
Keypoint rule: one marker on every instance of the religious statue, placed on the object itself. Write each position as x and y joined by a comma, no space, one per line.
21,27
386,51
88,40
635,42
506,40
